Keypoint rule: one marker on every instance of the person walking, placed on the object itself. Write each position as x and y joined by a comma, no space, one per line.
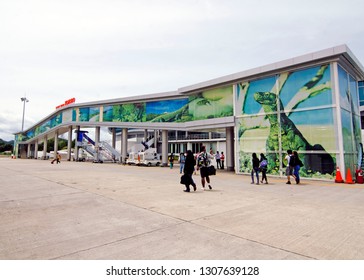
189,168
203,161
255,169
263,166
171,159
297,167
57,158
181,160
222,158
290,166
218,160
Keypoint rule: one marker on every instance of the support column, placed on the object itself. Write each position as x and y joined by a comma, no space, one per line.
229,157
113,137
78,142
124,145
164,147
29,151
97,142
45,145
156,140
145,135
340,160
55,143
36,149
69,144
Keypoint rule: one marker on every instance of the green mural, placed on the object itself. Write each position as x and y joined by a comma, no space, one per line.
209,104
130,112
89,114
289,111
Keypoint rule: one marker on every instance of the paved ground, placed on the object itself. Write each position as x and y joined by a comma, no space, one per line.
109,211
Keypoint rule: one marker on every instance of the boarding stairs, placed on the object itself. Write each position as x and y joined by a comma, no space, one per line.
101,152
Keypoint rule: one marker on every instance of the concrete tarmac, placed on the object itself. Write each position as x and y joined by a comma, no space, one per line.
88,211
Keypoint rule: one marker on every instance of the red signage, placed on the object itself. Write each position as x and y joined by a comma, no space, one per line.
67,102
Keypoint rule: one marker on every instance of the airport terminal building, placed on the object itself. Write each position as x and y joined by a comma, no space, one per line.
309,103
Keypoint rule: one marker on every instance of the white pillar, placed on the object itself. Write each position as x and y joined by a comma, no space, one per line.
76,146
164,147
156,140
229,157
113,139
124,144
55,143
36,149
69,144
97,142
29,150
45,143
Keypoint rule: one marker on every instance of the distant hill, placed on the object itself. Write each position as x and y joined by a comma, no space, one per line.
6,145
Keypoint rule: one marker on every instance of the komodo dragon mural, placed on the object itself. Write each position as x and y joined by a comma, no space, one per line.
291,137
283,132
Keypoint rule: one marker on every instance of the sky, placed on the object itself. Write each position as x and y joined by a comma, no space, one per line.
51,51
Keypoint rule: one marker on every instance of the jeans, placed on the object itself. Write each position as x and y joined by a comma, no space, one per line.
181,167
256,171
296,173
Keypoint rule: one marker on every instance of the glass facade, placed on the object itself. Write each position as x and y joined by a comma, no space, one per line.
291,110
361,93
350,118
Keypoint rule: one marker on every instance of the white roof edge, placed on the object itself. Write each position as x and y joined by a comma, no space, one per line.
302,59
130,98
151,96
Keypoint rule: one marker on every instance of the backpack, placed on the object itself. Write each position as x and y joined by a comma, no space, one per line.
292,161
264,163
202,160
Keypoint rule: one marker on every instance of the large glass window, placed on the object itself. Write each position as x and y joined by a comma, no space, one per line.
89,114
344,89
361,93
292,110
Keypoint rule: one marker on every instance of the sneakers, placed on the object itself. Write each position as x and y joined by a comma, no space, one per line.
210,187
288,182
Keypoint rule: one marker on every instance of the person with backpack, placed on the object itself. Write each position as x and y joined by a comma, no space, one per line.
290,166
171,159
255,169
203,161
297,167
263,166
189,168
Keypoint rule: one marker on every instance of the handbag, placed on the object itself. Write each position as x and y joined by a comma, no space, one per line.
211,170
185,179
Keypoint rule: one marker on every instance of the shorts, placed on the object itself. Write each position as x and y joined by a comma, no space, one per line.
204,172
289,170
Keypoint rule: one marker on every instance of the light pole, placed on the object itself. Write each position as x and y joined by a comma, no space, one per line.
24,100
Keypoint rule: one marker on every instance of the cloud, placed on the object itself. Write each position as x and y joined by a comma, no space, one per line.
94,50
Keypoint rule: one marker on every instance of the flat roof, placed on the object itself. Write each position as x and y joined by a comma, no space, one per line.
325,54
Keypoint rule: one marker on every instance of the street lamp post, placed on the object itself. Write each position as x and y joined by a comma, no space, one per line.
24,100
